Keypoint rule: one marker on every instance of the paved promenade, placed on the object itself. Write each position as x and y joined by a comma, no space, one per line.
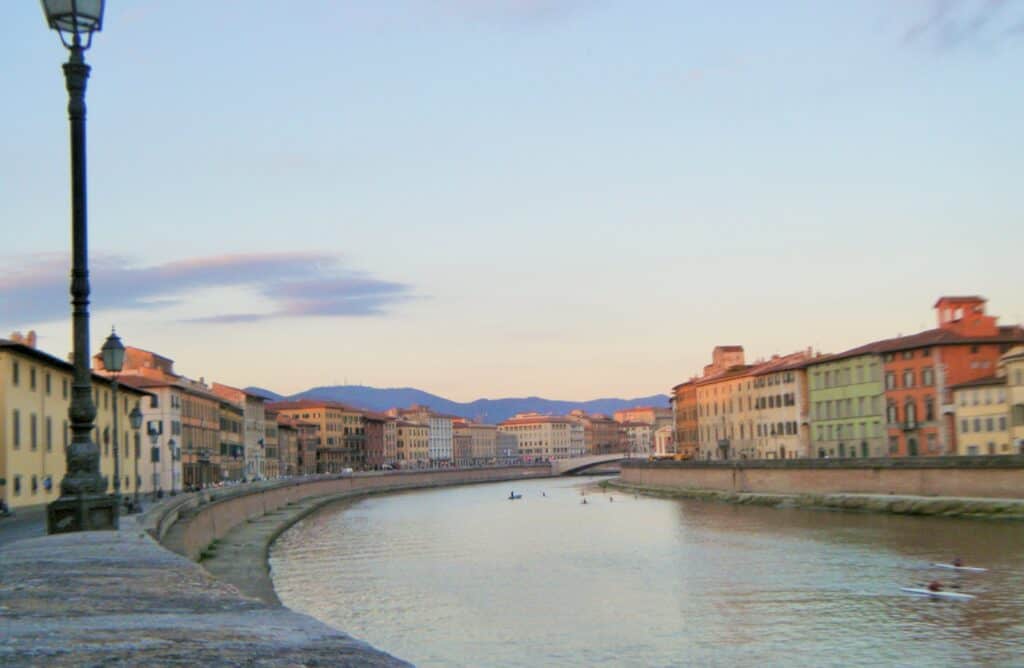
119,599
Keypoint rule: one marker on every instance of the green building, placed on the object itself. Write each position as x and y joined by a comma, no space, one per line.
847,406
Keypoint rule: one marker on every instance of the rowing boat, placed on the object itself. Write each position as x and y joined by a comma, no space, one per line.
951,595
962,569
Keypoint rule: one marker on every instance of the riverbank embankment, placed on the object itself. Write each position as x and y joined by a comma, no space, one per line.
978,487
1010,509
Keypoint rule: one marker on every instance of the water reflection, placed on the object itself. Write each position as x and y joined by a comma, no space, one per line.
465,577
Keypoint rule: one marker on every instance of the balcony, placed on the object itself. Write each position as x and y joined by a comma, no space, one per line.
909,425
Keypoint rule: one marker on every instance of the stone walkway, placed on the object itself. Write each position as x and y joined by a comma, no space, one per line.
119,599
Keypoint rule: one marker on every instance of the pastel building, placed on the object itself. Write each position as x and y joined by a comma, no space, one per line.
544,436
254,427
601,434
639,437
1013,365
663,441
232,446
441,443
779,395
722,424
340,431
412,443
35,395
982,417
847,401
685,419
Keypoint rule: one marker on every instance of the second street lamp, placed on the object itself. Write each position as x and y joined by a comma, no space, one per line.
135,417
113,361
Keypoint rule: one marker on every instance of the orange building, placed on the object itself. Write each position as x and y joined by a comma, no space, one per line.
919,371
684,408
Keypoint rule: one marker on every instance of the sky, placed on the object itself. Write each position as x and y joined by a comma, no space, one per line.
484,198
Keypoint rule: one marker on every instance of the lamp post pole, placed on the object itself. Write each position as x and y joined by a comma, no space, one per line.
83,503
154,457
112,355
135,418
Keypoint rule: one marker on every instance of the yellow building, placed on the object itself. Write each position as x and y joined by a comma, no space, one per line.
232,446
341,431
546,436
35,394
412,444
1013,366
982,417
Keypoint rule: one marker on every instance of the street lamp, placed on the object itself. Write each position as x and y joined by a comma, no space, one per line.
83,503
135,418
154,456
113,361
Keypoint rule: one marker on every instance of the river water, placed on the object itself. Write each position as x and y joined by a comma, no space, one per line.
464,577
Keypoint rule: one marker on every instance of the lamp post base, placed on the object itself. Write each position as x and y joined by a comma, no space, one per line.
88,512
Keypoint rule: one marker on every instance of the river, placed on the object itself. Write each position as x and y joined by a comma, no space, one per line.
464,577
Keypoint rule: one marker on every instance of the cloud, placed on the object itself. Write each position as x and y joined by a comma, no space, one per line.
293,284
948,24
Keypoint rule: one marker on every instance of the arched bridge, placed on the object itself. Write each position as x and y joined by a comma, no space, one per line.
579,464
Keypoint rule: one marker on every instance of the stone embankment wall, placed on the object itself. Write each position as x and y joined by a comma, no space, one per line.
190,524
986,477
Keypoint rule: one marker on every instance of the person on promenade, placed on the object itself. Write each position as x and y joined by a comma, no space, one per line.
958,562
934,585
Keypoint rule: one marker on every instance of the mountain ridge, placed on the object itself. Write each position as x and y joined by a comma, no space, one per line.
490,411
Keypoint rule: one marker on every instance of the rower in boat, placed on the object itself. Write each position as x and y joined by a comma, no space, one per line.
935,585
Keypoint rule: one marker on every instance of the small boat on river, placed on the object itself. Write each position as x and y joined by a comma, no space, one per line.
513,496
962,569
942,593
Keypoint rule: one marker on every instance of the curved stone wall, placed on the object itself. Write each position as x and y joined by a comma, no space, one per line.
189,523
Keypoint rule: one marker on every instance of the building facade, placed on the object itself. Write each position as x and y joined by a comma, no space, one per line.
412,444
982,417
847,408
35,395
686,425
544,437
1013,366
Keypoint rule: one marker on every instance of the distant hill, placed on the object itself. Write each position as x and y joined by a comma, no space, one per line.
487,410
272,396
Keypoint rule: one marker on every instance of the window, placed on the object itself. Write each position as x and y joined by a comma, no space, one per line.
890,380
927,352
32,378
894,445
47,383
933,443
1002,423
908,378
33,430
908,354
977,424
989,424
928,377
888,357
860,374
17,485
16,427
893,413
35,484
49,434
929,409
64,388
910,410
